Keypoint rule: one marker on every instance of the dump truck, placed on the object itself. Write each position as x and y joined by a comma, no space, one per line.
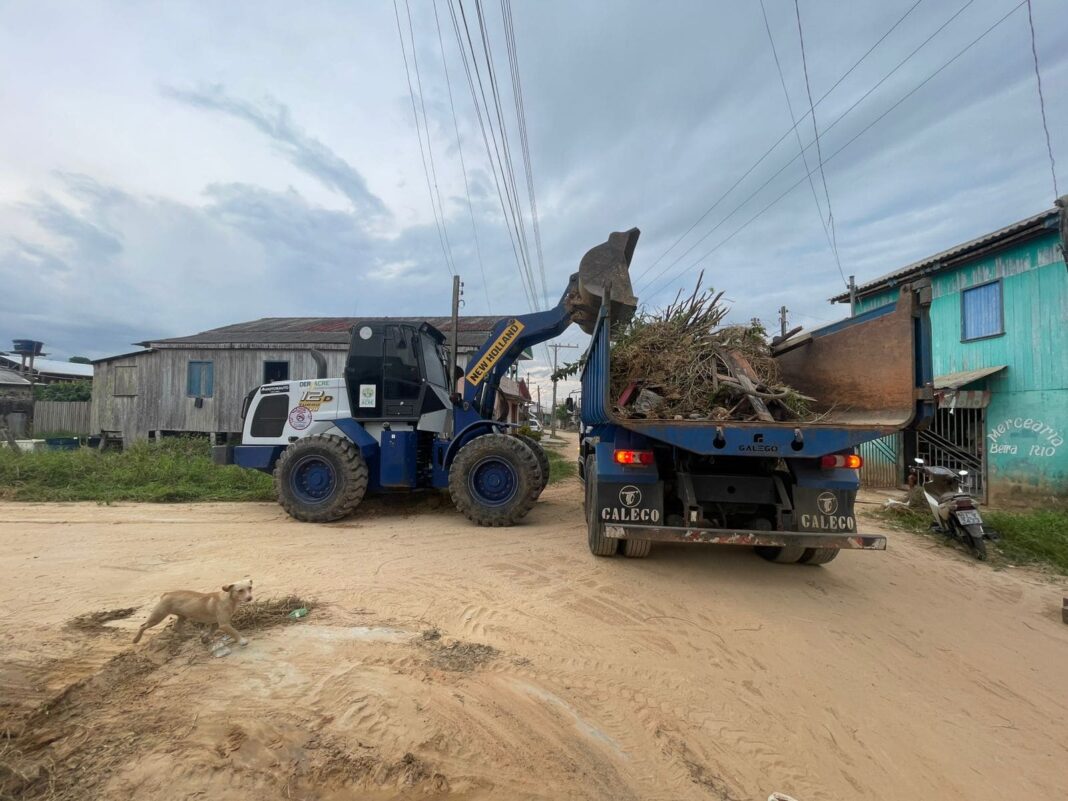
785,488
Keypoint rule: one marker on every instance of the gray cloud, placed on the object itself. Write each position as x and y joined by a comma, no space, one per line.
273,119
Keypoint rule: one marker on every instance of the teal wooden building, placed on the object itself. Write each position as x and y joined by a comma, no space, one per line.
999,323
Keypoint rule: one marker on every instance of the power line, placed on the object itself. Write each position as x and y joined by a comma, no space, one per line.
521,116
797,133
426,127
816,133
837,120
864,130
1042,103
779,141
418,132
505,146
486,137
463,166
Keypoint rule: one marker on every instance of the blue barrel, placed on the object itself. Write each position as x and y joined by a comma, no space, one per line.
62,443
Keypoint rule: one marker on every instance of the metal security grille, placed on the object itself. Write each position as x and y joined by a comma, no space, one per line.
882,462
955,440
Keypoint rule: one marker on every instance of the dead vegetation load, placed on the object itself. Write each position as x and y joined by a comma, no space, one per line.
682,363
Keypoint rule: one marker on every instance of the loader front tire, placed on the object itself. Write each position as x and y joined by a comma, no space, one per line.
320,478
542,457
495,480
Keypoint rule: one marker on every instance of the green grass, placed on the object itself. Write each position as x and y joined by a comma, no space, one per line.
1035,537
179,469
561,464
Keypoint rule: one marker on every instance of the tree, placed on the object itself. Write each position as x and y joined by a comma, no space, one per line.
72,391
79,360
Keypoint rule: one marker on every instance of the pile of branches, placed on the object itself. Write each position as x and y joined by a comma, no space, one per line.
682,363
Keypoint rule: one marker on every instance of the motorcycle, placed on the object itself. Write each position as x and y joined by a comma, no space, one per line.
952,508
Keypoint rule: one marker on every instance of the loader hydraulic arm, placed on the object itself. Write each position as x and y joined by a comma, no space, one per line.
603,272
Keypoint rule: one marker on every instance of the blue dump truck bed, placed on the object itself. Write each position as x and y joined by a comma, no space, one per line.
786,488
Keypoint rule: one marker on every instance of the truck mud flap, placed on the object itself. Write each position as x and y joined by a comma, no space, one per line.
726,536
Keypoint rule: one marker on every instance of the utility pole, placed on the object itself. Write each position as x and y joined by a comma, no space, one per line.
457,290
852,296
539,403
782,321
556,351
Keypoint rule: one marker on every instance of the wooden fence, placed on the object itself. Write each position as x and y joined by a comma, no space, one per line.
61,416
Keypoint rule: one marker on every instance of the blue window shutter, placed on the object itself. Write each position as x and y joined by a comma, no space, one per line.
981,315
200,380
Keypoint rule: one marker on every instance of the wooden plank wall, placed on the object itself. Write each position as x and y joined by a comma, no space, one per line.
61,416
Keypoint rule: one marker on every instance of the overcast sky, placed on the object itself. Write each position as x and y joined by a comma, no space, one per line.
167,168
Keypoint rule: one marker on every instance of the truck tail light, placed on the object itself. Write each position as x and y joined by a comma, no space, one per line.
851,460
634,457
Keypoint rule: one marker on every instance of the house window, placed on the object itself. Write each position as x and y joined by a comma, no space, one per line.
981,312
124,380
200,381
275,371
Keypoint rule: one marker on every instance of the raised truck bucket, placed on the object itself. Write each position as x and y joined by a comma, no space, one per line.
605,272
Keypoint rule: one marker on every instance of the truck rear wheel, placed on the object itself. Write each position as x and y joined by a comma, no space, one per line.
542,457
786,554
637,549
818,556
494,480
600,545
319,479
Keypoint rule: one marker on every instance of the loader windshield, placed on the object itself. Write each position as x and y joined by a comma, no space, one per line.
432,364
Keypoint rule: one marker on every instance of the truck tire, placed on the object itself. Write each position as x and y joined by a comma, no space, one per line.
600,545
787,554
637,549
320,478
818,556
494,480
542,457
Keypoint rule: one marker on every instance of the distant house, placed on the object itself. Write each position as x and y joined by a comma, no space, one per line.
16,401
198,383
999,322
48,371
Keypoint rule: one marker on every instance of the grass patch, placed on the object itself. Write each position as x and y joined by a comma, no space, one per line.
561,465
179,469
271,612
1038,537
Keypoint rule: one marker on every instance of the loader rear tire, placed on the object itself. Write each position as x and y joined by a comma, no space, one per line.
600,545
494,480
542,457
320,478
818,556
786,554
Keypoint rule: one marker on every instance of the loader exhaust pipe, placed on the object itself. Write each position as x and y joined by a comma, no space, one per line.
604,272
320,363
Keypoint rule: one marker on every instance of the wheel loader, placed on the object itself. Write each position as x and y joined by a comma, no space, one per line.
396,422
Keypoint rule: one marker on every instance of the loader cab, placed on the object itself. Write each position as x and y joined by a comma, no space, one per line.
396,372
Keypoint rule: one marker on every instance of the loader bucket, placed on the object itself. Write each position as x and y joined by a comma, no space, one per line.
605,272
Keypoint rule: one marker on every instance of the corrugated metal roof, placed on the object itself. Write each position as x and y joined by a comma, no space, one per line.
946,258
965,377
53,367
11,378
320,330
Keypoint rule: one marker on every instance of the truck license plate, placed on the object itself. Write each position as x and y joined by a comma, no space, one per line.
969,517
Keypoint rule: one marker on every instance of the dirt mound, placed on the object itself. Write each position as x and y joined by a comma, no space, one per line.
271,612
456,655
93,622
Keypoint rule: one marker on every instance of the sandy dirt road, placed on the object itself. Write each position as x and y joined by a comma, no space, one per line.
448,661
